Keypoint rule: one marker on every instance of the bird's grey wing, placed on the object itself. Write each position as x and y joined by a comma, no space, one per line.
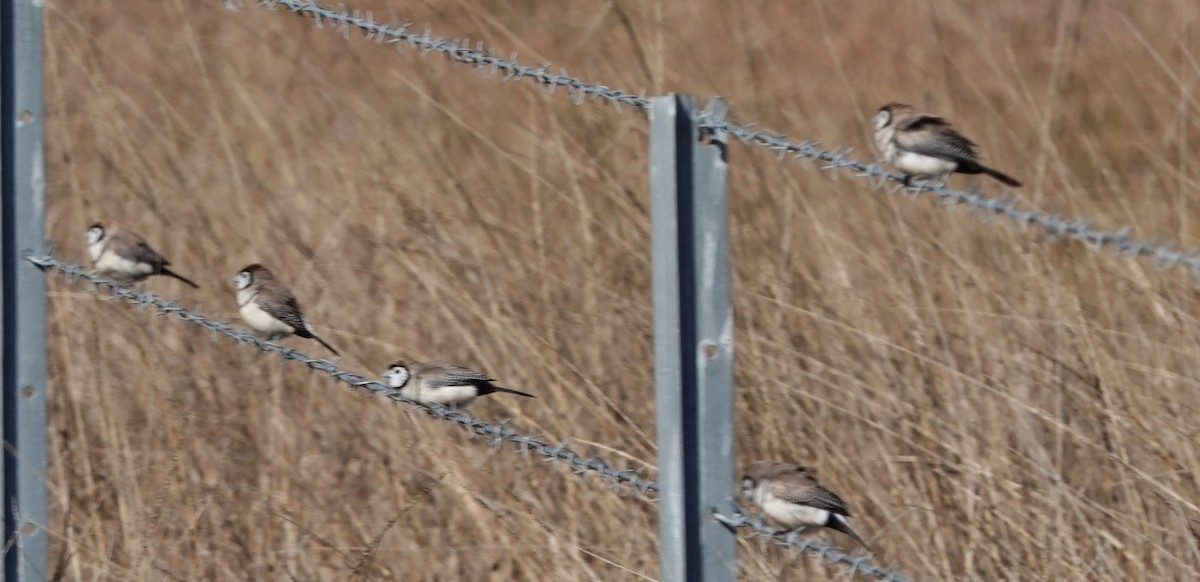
932,136
137,250
808,493
287,311
828,500
452,375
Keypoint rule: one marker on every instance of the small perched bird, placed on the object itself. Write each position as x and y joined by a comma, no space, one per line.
919,144
269,307
124,257
791,495
441,383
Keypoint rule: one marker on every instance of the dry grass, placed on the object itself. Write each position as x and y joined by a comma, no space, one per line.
993,404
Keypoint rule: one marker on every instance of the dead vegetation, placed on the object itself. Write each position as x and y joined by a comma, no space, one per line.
992,403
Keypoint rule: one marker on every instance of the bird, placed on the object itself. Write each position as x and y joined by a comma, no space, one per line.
791,495
270,308
125,257
920,144
442,383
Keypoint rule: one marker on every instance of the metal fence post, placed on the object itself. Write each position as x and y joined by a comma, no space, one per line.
693,342
22,291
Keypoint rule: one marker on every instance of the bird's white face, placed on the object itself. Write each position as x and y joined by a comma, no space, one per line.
882,119
396,377
243,280
94,235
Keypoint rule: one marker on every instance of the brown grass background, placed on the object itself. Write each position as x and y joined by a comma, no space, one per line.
993,404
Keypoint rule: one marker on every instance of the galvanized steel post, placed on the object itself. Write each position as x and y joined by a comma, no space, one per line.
22,291
693,341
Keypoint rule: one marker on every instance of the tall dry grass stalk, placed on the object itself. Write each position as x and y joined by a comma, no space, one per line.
992,403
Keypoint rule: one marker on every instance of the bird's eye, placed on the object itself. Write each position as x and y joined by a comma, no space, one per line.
882,118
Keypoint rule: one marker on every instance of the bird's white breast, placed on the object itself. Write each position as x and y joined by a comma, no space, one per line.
790,514
261,321
111,263
442,395
915,164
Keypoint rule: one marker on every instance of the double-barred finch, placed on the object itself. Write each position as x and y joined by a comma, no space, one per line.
791,495
124,257
442,383
919,144
269,307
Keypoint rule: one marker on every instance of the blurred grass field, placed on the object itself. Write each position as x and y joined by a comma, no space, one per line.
992,403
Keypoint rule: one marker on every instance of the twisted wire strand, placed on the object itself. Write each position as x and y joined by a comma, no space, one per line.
1006,205
494,434
458,49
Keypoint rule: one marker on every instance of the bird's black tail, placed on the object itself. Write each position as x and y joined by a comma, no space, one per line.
840,524
311,335
306,331
171,273
997,174
496,388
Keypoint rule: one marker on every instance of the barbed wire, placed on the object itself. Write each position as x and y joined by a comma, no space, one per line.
494,434
1164,254
458,49
838,158
791,539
